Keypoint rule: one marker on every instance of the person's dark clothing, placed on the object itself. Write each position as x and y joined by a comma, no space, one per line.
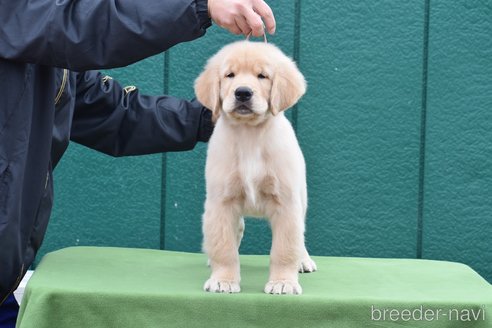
50,95
8,312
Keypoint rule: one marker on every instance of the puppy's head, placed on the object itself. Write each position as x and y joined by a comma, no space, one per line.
247,82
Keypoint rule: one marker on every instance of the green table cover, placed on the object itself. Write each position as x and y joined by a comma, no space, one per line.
117,287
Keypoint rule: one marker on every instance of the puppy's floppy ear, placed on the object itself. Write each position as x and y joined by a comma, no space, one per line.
207,88
288,86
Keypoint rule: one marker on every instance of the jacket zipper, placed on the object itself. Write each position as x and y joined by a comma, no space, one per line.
47,180
57,99
62,87
19,277
17,282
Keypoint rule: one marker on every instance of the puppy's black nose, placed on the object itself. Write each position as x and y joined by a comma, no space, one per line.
243,94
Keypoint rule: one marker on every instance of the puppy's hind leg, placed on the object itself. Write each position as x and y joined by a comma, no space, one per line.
240,232
220,242
307,264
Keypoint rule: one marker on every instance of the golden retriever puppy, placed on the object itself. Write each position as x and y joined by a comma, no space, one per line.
255,166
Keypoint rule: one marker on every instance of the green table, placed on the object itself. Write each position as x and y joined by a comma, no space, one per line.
117,287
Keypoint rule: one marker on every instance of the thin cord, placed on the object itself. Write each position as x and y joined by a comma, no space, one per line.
264,35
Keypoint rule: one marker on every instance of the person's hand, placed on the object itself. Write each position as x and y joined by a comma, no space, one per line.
242,16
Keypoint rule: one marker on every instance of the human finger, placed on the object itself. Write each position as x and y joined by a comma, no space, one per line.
254,22
233,28
267,14
242,25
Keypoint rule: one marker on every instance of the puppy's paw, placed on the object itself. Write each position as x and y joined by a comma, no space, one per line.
221,286
307,265
283,287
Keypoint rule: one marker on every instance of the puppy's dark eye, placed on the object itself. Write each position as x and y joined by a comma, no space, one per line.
230,75
261,76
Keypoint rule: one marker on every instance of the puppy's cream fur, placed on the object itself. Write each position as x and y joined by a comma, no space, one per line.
255,166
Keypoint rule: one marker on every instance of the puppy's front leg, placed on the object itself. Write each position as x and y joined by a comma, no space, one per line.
220,243
287,247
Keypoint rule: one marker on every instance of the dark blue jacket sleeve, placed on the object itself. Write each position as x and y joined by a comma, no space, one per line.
93,34
121,121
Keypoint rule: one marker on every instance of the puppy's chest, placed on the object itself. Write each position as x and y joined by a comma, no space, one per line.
255,181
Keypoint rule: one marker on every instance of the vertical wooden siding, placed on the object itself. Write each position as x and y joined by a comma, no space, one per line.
396,129
457,217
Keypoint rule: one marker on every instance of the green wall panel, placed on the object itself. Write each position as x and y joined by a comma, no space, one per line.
100,200
458,166
185,183
359,125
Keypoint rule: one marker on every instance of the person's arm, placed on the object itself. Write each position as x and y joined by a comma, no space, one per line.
94,34
120,122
